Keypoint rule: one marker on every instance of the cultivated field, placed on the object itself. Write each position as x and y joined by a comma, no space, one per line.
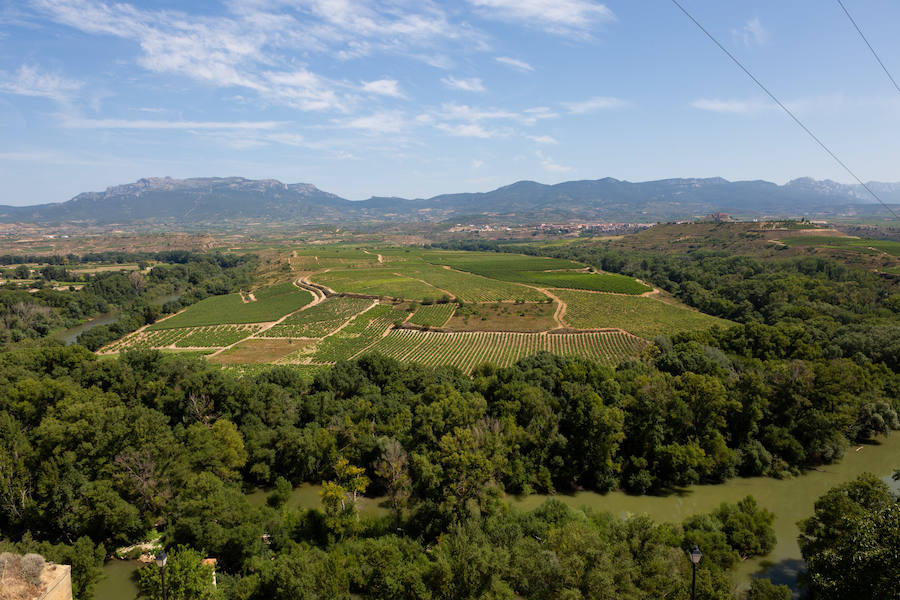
271,304
490,307
642,316
468,350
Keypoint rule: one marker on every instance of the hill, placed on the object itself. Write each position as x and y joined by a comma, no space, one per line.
217,201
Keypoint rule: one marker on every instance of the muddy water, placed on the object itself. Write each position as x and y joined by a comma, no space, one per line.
70,336
790,499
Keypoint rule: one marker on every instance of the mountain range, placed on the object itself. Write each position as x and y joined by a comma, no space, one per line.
232,200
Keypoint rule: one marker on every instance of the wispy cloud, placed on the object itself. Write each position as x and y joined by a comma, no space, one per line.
383,87
515,63
555,16
31,81
382,122
79,123
550,165
542,139
467,130
752,33
473,84
734,107
594,104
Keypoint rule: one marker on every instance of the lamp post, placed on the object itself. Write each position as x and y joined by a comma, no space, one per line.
161,563
696,555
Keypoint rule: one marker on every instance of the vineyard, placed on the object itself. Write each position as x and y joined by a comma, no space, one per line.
377,282
644,317
215,336
435,315
319,320
468,287
468,350
361,332
271,304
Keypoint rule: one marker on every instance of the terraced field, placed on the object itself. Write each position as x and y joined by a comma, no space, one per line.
319,320
642,316
271,304
435,315
468,350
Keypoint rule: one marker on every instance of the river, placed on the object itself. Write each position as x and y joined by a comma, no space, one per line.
70,336
790,499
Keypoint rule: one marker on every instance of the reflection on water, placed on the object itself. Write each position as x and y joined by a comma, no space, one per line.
790,499
118,581
70,336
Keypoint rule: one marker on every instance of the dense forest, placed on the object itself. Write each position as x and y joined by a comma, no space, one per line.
99,452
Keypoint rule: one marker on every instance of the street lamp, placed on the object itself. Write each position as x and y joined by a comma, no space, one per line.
161,559
696,555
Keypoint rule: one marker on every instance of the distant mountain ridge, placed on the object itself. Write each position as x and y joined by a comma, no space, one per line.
220,200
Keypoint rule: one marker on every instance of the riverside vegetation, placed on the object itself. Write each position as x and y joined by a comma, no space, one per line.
99,451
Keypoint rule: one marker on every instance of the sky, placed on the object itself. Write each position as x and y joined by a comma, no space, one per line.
415,98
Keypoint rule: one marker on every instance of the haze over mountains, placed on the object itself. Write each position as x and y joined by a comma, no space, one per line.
215,201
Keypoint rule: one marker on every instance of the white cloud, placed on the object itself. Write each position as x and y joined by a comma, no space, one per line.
467,85
31,81
466,130
515,63
550,165
734,107
751,33
383,87
383,122
477,164
256,44
542,139
594,104
556,16
78,123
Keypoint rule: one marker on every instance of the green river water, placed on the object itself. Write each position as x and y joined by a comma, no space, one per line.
790,499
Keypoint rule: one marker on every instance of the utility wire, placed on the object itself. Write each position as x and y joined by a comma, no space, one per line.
875,54
785,108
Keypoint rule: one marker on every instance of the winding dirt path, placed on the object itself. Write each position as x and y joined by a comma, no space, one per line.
561,306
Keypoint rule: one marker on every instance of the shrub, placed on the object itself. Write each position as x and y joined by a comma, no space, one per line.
31,568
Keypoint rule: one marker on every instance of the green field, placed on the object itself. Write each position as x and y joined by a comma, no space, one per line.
435,315
319,320
213,336
643,316
536,270
377,282
470,349
861,244
363,330
271,304
468,287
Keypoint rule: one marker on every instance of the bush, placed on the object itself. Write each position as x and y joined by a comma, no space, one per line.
31,568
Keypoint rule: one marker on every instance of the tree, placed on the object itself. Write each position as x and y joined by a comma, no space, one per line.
339,497
392,466
187,578
852,541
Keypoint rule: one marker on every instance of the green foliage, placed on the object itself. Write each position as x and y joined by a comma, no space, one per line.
187,578
852,541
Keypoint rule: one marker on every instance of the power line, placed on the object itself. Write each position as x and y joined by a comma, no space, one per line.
875,54
785,108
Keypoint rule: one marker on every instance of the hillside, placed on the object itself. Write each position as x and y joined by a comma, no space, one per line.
218,201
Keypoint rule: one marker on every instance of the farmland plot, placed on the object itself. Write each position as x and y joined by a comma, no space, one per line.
362,331
271,304
216,336
319,320
642,316
468,350
468,287
376,282
435,315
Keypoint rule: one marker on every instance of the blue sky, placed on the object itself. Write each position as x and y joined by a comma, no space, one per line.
414,98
